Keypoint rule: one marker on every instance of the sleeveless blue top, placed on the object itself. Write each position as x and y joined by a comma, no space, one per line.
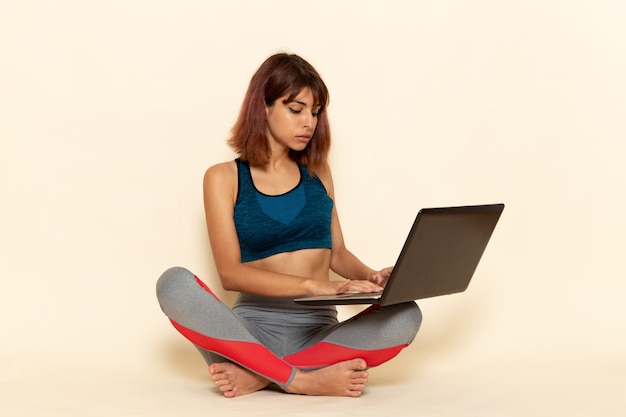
271,224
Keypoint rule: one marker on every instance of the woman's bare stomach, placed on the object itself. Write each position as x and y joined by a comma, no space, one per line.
309,263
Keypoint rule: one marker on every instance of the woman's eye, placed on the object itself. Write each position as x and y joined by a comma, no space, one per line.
296,111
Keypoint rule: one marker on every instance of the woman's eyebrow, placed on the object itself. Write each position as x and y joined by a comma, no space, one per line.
302,103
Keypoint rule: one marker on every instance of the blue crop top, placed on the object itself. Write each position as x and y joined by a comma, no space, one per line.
271,224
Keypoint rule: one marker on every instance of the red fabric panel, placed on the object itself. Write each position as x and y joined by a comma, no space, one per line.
251,355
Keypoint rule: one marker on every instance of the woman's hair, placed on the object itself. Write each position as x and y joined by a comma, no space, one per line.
281,75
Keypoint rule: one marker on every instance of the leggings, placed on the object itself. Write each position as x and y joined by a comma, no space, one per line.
273,337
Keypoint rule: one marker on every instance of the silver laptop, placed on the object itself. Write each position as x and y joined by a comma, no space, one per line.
439,256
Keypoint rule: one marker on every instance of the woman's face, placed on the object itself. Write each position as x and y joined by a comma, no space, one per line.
292,124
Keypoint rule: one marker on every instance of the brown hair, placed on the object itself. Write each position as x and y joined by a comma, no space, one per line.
281,74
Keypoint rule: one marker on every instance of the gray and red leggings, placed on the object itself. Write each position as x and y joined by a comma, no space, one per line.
275,336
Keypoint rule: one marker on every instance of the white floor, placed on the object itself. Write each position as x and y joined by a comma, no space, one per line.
174,383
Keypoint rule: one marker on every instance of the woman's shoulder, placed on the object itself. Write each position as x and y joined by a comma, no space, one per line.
222,168
221,173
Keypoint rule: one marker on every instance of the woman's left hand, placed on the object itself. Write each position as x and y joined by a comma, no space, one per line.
381,277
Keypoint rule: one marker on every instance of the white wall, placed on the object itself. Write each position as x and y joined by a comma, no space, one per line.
111,111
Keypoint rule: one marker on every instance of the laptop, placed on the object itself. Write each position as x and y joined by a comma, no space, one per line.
439,257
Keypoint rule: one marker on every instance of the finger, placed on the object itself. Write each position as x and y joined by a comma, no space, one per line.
385,273
364,286
377,279
343,286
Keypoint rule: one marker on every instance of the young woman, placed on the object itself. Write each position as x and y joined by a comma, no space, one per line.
275,235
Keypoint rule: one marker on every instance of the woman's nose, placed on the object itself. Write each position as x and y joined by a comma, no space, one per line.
309,120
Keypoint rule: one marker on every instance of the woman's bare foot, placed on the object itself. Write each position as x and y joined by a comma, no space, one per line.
234,380
341,379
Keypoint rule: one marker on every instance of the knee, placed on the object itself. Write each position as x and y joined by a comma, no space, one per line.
416,313
410,318
172,282
397,324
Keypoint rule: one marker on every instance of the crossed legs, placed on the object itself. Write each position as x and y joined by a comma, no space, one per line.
333,364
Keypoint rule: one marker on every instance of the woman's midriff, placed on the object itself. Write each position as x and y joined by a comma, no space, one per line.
310,263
